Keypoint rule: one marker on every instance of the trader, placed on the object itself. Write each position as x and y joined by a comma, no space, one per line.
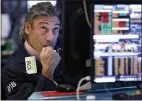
20,76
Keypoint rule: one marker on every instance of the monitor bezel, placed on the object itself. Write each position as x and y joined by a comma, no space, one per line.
105,2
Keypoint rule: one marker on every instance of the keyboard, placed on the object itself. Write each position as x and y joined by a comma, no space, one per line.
135,95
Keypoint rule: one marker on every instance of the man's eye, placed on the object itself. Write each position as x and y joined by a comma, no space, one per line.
56,29
43,29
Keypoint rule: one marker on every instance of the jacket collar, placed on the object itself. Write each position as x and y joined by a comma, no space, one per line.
23,53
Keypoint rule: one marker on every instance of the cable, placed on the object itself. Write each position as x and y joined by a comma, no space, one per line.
107,90
86,14
78,86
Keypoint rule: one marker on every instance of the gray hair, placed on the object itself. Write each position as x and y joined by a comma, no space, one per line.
40,9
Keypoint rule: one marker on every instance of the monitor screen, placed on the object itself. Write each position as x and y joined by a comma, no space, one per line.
117,40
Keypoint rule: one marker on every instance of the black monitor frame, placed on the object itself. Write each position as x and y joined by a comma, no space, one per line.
92,71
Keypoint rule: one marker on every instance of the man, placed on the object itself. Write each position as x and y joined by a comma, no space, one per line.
40,32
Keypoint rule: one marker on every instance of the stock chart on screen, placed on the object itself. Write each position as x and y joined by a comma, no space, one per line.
117,42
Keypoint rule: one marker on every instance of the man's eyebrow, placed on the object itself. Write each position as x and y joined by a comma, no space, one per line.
43,23
48,23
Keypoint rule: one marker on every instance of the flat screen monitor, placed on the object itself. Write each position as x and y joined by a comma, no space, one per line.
117,42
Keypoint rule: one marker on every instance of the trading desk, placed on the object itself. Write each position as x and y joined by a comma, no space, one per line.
99,96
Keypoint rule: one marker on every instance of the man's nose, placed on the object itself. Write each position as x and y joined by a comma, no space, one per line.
49,36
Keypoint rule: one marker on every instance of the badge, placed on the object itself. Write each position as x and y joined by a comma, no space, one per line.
31,67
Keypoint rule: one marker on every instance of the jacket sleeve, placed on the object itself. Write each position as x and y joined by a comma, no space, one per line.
18,88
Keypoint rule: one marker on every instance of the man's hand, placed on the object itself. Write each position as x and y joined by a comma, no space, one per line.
49,59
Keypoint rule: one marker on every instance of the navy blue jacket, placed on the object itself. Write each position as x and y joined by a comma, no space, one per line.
20,85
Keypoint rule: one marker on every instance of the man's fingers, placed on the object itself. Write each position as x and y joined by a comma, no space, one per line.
54,61
56,58
56,55
48,51
49,59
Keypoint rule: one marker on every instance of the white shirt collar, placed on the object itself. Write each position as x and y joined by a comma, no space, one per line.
31,51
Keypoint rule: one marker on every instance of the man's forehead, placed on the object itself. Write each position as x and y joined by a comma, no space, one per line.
48,20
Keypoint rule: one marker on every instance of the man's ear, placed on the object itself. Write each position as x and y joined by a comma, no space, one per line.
27,28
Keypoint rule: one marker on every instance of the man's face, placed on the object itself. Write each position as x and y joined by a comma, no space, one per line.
44,32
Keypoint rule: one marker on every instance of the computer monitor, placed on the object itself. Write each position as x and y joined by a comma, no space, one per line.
117,41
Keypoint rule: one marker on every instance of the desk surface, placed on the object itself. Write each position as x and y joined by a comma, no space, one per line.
99,96
38,96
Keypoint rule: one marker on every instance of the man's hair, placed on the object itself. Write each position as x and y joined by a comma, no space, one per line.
40,9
